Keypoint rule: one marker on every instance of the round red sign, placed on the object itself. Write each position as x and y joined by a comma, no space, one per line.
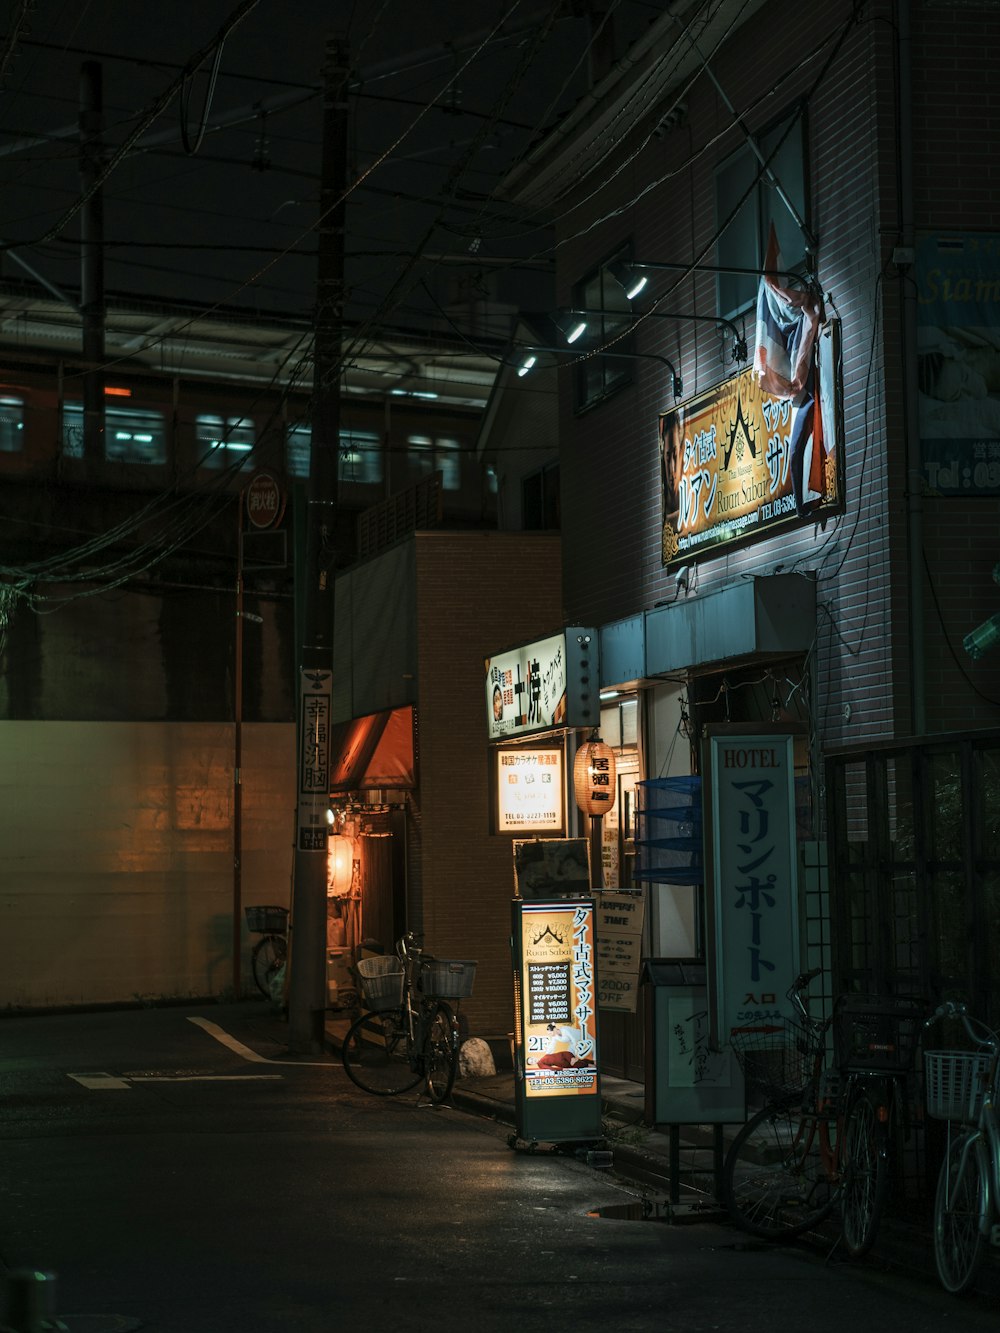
265,500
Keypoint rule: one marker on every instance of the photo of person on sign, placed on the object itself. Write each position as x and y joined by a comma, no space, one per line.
569,1048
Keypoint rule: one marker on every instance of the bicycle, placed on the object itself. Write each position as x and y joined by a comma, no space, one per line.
271,951
823,1136
409,1032
961,1087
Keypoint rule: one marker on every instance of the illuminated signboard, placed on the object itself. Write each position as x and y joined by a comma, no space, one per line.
558,1027
736,463
553,682
754,878
529,785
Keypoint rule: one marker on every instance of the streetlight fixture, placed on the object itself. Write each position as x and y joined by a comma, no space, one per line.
739,350
530,359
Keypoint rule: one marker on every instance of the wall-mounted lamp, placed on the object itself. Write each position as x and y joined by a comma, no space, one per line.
529,359
739,350
570,325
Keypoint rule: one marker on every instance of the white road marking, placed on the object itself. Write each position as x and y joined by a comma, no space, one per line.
100,1082
246,1053
205,1078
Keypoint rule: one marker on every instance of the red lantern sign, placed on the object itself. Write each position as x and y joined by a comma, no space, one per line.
594,777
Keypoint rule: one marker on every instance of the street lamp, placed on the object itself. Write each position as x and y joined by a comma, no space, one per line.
739,348
530,360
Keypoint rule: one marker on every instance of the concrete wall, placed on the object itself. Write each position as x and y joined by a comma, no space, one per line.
117,877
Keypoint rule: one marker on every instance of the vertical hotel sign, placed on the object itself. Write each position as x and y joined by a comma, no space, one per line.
754,883
314,759
558,999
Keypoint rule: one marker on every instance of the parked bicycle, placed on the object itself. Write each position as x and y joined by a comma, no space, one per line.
825,1132
271,950
961,1087
409,1034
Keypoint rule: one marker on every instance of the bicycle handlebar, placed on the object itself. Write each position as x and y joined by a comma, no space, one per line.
974,1027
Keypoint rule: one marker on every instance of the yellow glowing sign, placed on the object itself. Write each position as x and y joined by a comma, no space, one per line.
558,998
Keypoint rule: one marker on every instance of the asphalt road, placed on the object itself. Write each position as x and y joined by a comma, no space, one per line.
181,1173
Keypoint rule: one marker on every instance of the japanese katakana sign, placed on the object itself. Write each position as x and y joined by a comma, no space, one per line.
755,950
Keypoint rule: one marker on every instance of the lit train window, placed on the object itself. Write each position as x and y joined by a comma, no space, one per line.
224,441
131,435
360,454
437,455
11,425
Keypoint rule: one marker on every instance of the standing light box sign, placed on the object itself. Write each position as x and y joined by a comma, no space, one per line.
529,784
557,1087
314,759
754,880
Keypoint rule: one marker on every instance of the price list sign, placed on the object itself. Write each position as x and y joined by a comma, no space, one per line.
548,993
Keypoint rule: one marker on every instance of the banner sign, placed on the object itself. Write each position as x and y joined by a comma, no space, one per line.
558,1025
619,948
958,361
754,878
736,463
314,759
529,785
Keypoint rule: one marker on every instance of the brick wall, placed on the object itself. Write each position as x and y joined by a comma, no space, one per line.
476,593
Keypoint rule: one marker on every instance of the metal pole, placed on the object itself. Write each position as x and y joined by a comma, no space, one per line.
238,757
92,264
307,982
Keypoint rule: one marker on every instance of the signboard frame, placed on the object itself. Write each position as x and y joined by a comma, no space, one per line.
726,459
752,876
557,1087
511,765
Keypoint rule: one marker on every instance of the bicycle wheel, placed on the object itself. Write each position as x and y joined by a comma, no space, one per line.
268,954
959,1245
777,1181
864,1175
440,1053
377,1054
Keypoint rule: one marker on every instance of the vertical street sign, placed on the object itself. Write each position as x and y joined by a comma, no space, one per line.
754,890
556,1081
314,759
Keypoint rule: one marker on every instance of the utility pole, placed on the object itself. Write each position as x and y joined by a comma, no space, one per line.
92,264
307,982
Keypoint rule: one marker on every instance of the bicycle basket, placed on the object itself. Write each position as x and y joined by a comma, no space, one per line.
955,1083
266,920
875,1034
777,1059
381,982
447,978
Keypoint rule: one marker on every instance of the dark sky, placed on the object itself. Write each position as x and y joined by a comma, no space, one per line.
229,220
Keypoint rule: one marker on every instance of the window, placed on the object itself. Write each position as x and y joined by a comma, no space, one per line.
540,499
11,425
222,440
131,434
360,454
437,454
743,244
598,376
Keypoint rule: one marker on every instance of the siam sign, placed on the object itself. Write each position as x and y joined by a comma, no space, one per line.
729,457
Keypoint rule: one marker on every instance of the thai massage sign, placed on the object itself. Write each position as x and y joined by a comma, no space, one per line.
559,1016
735,462
754,881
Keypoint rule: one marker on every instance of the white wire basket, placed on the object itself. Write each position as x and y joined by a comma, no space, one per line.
955,1082
381,982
